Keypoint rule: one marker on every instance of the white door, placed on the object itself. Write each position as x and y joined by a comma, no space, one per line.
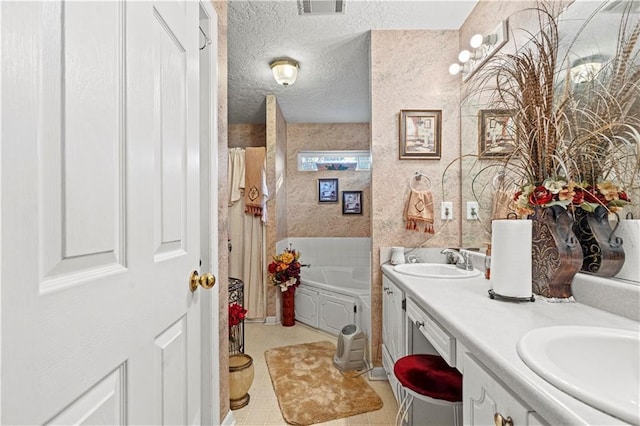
100,213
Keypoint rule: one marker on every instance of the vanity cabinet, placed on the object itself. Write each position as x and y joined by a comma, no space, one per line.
393,329
485,401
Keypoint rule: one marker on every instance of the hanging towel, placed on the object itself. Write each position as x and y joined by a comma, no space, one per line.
419,209
235,174
501,204
253,191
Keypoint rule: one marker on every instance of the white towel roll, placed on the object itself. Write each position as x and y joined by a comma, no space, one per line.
511,258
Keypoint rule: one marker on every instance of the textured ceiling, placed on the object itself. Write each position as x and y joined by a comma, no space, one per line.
333,52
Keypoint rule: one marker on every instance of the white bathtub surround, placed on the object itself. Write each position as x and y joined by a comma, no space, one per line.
331,251
338,275
329,296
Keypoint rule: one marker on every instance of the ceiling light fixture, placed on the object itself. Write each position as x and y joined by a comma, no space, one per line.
483,48
285,71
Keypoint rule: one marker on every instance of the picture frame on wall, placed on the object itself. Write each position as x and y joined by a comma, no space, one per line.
351,202
496,133
420,134
327,190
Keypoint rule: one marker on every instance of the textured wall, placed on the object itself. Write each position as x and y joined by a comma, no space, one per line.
247,135
409,70
223,254
305,216
276,128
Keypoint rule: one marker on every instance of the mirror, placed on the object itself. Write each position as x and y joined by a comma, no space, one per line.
591,31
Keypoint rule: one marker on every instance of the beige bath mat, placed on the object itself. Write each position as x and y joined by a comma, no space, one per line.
311,390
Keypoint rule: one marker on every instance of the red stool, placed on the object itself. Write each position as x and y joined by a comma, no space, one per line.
428,378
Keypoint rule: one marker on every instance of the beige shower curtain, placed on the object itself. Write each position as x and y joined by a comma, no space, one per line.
246,260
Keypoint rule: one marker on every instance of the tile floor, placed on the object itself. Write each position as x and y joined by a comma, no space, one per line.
263,406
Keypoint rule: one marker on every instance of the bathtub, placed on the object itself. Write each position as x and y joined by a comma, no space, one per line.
350,281
330,297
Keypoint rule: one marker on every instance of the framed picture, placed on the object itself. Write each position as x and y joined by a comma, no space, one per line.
327,190
420,134
351,202
496,133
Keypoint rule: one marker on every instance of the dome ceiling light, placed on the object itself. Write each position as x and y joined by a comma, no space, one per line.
285,71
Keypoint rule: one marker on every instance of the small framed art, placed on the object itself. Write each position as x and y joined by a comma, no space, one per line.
420,134
327,190
496,133
351,202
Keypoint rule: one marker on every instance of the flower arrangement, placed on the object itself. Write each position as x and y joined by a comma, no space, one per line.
605,193
552,192
559,192
237,314
284,271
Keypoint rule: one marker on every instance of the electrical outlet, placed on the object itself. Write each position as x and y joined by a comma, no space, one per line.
447,210
472,210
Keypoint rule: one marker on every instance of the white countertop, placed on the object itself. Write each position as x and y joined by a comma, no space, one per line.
491,328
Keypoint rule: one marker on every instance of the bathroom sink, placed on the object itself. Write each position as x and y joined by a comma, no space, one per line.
598,366
434,270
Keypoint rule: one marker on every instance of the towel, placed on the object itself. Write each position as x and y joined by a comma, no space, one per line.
501,204
419,209
253,191
235,174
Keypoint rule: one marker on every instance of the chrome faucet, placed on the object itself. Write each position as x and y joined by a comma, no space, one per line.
462,260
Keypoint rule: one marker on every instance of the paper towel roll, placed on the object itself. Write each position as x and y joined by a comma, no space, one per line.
511,258
629,231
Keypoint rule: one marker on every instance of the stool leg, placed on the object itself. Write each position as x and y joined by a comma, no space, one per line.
407,400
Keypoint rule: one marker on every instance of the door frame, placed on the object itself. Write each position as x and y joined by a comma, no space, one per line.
210,395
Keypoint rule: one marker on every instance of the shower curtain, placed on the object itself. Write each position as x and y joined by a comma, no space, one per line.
247,234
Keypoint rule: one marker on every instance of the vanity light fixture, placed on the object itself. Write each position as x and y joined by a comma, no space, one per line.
469,61
285,71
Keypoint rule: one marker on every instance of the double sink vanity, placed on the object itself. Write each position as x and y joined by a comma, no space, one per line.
523,363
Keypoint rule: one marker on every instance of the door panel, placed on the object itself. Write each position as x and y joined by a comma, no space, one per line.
102,404
81,136
171,363
169,77
100,213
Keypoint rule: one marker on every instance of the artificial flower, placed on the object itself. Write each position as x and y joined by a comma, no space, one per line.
284,271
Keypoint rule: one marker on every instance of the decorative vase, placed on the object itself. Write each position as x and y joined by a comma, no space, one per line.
601,249
288,307
556,255
240,379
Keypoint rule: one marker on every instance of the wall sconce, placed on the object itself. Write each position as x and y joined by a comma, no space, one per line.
483,48
285,71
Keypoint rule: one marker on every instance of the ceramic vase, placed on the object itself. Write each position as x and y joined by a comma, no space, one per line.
288,307
241,374
602,250
556,255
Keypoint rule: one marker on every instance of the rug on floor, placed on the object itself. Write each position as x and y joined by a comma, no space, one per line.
310,389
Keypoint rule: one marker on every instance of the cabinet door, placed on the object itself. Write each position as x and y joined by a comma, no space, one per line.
335,312
306,306
393,319
484,396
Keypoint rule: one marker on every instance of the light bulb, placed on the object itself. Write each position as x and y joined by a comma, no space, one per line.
476,41
464,56
454,69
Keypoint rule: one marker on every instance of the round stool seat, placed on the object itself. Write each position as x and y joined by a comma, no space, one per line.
429,375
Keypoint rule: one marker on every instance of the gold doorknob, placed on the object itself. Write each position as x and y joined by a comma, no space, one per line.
205,281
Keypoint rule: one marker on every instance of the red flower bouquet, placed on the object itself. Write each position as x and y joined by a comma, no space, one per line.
284,271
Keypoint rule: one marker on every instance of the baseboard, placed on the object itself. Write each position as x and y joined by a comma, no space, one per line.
228,420
271,321
377,373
